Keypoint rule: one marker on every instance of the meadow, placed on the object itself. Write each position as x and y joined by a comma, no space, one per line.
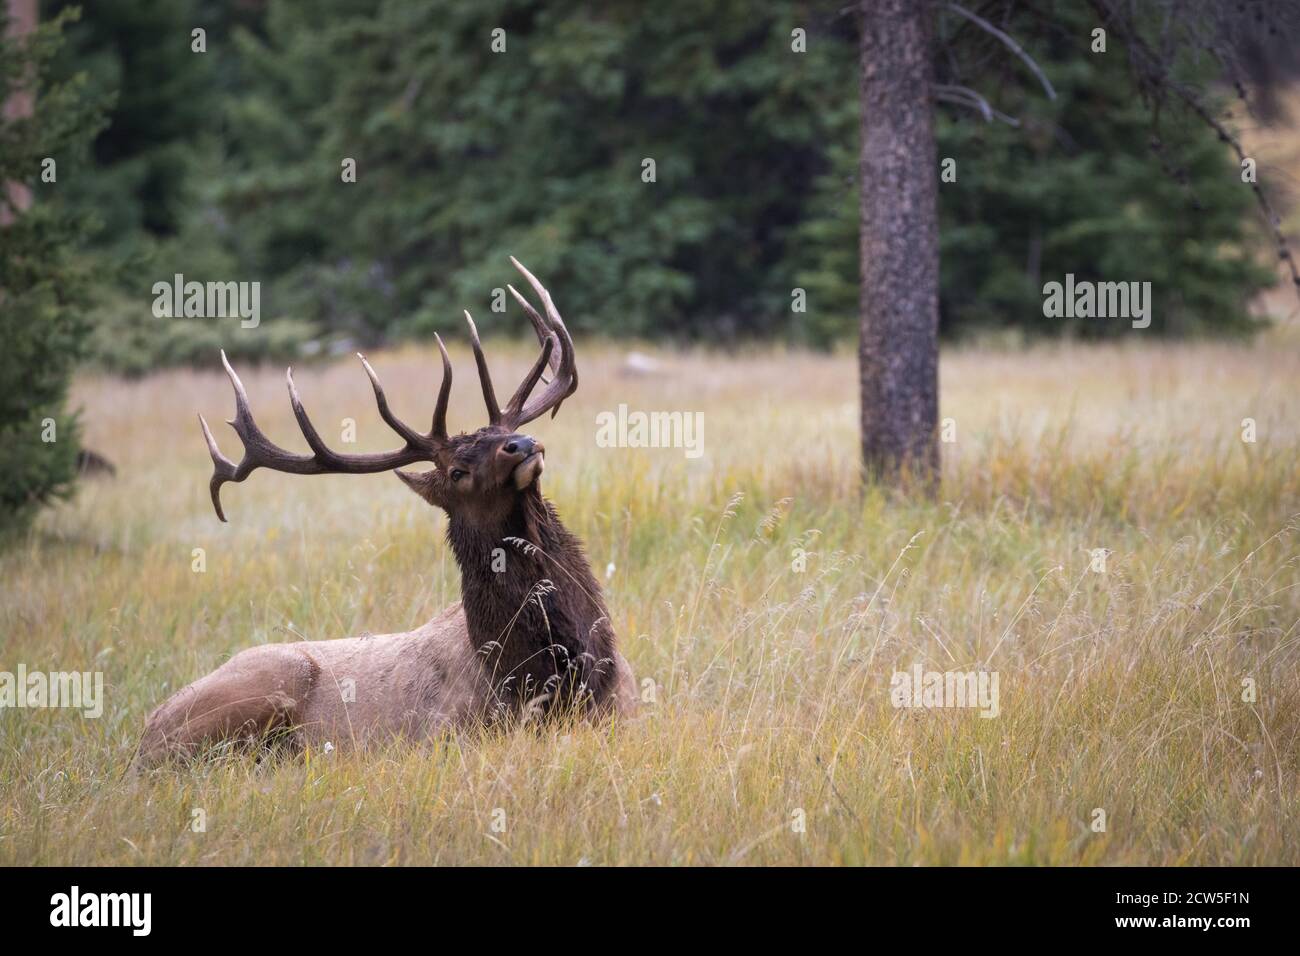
763,599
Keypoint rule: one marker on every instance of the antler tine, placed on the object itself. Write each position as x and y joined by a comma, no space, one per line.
510,417
411,436
539,324
566,361
317,444
565,382
223,469
552,315
439,429
261,452
484,377
416,443
258,449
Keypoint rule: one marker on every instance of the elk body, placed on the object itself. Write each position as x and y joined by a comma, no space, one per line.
530,639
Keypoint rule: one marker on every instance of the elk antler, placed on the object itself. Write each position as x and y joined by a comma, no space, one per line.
261,452
553,336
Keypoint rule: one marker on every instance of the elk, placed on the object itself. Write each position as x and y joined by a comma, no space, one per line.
528,641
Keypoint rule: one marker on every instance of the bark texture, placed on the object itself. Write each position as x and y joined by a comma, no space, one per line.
898,356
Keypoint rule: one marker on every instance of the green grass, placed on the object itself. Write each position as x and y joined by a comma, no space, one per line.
1121,691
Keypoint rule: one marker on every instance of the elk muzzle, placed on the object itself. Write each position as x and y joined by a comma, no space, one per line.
527,456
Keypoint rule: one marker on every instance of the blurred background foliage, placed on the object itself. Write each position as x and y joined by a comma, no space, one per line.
46,284
226,165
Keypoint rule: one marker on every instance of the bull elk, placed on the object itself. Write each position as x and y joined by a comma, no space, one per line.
530,640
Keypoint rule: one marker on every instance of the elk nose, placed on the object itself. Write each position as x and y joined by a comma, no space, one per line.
520,445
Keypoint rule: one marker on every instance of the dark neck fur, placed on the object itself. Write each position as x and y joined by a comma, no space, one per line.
540,623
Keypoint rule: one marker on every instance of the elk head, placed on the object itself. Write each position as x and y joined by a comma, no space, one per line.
478,473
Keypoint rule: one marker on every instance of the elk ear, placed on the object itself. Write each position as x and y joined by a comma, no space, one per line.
423,483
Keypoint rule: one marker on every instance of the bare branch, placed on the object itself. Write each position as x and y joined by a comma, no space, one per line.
965,96
1010,44
1153,76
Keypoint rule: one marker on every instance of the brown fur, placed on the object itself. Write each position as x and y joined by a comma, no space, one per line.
530,639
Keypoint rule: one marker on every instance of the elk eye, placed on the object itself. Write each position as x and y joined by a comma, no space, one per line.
457,474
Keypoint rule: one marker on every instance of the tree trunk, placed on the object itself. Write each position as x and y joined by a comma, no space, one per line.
898,356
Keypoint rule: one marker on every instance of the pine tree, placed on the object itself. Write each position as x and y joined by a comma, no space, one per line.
1074,187
43,281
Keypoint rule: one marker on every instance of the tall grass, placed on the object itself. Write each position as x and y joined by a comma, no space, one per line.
771,737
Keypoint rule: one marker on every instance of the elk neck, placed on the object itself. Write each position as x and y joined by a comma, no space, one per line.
535,611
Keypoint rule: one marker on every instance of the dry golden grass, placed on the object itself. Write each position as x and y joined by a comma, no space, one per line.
1120,691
